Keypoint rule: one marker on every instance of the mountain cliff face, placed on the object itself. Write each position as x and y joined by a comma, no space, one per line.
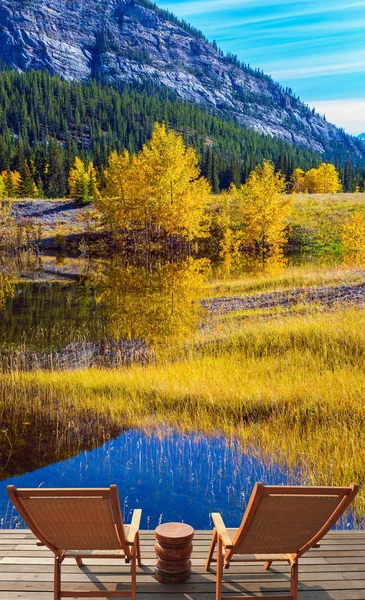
130,40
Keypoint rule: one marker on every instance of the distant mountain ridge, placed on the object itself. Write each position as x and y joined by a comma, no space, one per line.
133,40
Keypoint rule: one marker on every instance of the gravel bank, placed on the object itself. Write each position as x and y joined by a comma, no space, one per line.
353,294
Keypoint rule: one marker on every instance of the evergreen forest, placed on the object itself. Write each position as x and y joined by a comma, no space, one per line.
45,122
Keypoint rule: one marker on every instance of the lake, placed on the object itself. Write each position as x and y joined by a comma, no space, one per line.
170,475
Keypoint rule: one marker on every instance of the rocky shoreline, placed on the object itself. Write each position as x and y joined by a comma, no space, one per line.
50,215
327,296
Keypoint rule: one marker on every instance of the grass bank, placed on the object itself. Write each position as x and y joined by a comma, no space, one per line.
317,222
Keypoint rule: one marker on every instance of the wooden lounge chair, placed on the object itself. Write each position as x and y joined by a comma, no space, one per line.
281,523
80,523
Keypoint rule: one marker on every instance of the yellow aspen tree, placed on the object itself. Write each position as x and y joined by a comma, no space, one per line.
92,181
353,240
177,196
327,180
123,197
74,175
263,211
12,180
82,182
297,181
311,181
2,188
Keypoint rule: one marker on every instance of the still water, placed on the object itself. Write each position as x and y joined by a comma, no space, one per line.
171,476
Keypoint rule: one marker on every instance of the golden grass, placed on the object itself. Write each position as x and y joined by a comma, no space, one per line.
293,387
293,277
325,214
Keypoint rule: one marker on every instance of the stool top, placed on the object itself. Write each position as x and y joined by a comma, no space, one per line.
174,533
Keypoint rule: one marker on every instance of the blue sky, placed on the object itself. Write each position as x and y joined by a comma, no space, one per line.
315,47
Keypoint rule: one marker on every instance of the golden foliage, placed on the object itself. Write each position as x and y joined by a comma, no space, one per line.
297,181
82,182
176,195
328,181
258,214
159,190
353,240
323,180
2,188
12,180
122,198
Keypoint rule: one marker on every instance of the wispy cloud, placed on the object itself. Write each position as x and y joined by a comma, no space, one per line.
319,71
349,114
199,7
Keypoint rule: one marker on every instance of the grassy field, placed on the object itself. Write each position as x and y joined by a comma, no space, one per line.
318,219
290,384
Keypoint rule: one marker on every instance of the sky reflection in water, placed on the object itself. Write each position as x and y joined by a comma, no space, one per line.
172,477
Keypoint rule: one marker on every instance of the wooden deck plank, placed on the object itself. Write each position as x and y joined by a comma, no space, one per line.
335,571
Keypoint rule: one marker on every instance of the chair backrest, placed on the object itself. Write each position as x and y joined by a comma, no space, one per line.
289,519
72,519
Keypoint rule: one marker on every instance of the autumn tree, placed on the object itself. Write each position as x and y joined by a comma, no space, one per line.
176,196
328,180
12,180
82,182
123,197
261,210
311,181
323,180
2,188
159,190
353,240
297,181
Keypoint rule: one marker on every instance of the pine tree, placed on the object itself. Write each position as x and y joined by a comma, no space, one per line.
28,188
56,184
348,176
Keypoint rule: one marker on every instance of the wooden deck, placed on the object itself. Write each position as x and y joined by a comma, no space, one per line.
336,571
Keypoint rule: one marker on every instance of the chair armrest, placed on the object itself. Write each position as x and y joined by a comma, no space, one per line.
222,531
134,526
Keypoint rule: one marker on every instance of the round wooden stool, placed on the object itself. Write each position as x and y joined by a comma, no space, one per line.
173,548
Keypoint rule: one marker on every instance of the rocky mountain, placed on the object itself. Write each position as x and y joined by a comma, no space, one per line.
133,40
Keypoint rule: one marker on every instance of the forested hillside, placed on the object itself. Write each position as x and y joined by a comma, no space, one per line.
134,41
45,122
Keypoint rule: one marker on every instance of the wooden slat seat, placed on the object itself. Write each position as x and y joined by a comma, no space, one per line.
80,523
280,523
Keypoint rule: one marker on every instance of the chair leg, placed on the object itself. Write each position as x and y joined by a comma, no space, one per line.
211,551
218,595
134,574
268,564
294,581
139,560
57,578
78,561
